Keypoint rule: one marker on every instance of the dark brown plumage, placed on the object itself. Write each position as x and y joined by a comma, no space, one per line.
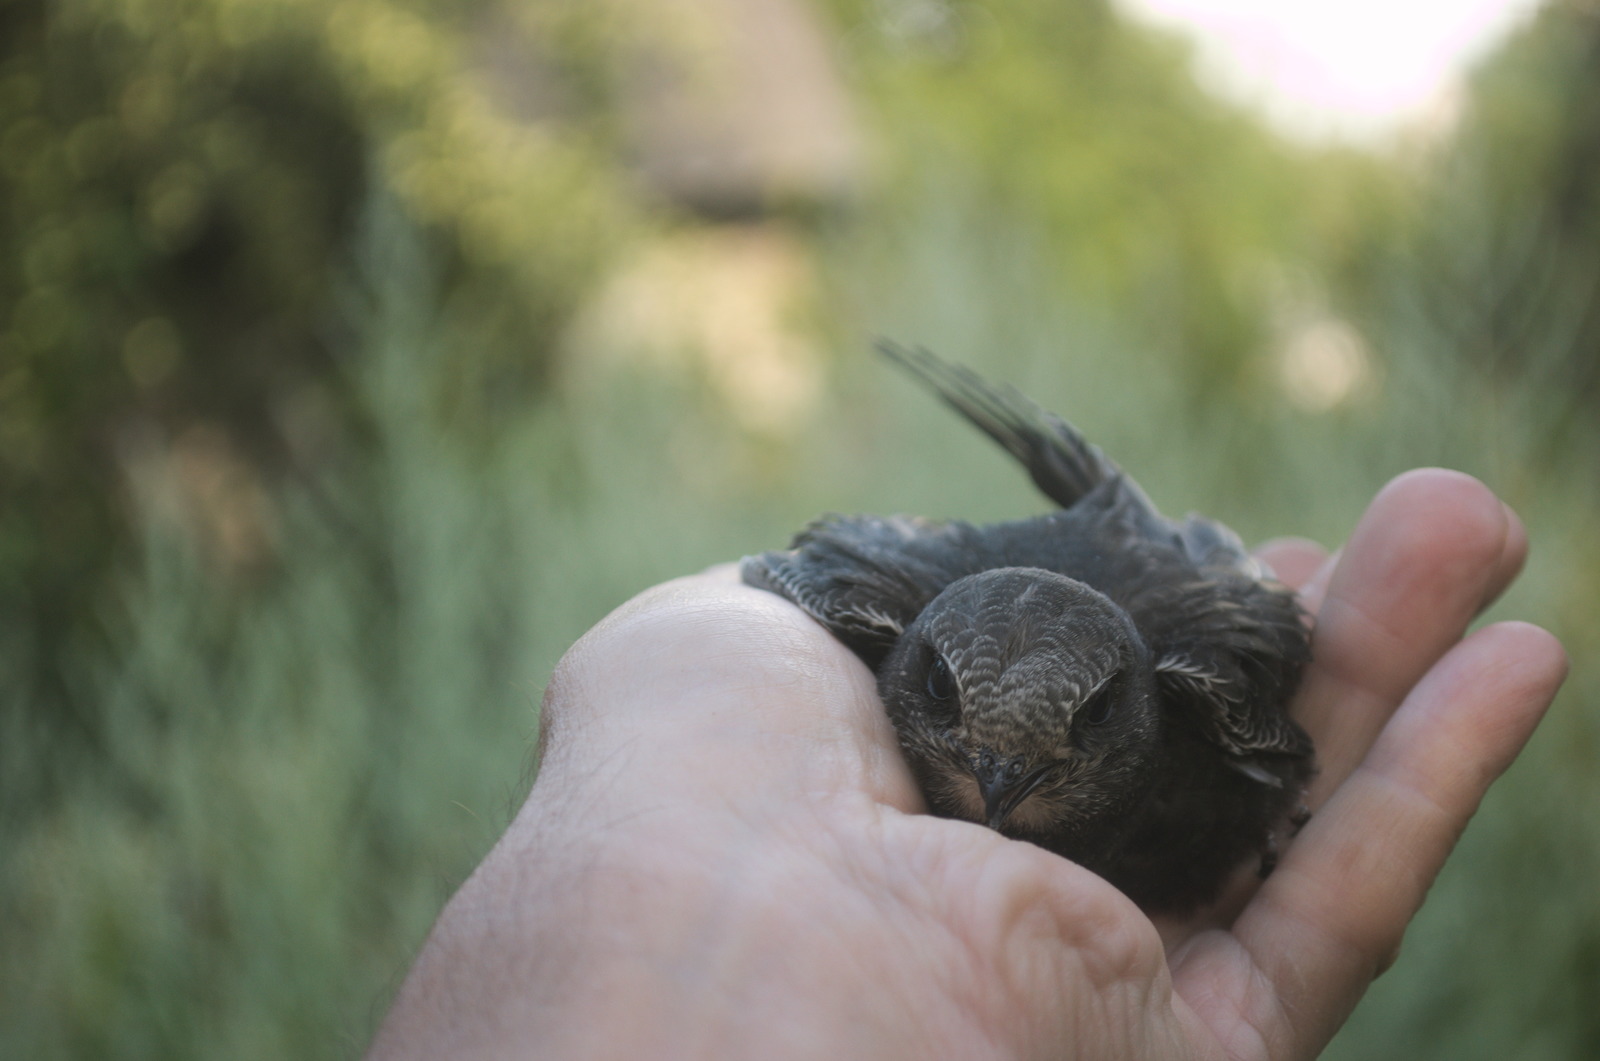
1100,680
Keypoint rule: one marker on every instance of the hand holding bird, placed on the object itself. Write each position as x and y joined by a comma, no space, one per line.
723,856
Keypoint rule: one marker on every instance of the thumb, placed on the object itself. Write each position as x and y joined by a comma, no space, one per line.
703,683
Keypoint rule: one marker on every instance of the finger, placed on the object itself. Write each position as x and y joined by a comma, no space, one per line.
1513,555
1506,568
1427,553
1332,915
1315,589
1292,560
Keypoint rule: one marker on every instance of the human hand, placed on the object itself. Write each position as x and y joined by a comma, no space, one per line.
722,853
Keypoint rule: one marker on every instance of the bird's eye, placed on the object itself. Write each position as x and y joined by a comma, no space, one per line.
1097,711
941,683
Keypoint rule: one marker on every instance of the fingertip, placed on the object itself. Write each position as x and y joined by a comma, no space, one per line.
1292,560
1516,535
1513,554
1435,527
1436,479
1315,588
1526,665
1536,658
1448,508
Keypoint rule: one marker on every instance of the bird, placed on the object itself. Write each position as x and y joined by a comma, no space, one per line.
1099,680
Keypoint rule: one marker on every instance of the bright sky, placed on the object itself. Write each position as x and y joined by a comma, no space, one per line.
1353,67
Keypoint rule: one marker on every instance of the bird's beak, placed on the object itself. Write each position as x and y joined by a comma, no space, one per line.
1003,783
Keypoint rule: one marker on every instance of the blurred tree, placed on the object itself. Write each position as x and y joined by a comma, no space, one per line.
1484,301
1498,270
1157,199
179,184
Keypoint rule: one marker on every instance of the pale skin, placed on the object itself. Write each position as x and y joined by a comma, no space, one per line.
723,856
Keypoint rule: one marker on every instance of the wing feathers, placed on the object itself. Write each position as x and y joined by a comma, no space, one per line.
867,577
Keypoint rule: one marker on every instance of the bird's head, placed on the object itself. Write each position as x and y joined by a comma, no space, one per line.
1024,700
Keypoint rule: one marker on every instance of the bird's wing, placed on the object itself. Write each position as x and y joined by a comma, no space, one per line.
1065,465
1228,653
867,577
1210,545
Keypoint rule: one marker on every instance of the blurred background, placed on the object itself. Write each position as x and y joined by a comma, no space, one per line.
356,356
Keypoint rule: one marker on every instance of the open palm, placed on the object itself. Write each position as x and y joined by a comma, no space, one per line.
723,855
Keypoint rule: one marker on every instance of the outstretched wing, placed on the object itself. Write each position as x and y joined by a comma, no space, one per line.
867,577
1228,651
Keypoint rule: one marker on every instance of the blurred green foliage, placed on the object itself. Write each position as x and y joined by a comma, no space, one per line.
180,184
1169,207
1495,268
1485,297
310,467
